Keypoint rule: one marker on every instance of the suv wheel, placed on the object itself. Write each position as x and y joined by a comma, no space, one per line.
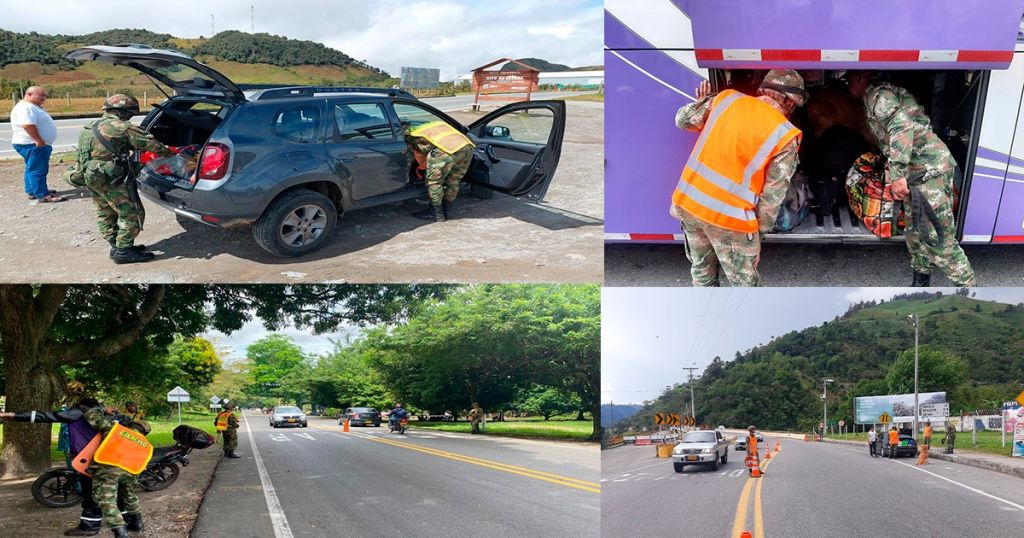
725,457
714,463
677,466
298,222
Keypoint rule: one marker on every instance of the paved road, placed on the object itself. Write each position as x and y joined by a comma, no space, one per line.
810,265
319,481
68,130
809,489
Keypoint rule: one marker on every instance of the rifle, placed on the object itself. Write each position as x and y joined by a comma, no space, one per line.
130,173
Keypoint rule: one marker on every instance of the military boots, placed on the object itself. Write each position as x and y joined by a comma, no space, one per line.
231,454
131,255
113,248
434,213
120,532
446,206
134,522
84,529
922,280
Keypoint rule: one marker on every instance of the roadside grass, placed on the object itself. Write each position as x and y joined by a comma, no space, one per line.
161,434
988,442
596,97
574,430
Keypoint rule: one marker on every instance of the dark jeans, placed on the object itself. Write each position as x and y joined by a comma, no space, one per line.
37,165
949,447
91,514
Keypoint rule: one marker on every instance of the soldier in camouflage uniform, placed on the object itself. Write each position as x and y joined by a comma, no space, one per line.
113,488
444,172
708,246
120,218
915,153
231,433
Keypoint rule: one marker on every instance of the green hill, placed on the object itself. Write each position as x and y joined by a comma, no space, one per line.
979,347
245,58
536,63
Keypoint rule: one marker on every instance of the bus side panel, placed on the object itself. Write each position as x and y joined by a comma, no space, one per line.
990,208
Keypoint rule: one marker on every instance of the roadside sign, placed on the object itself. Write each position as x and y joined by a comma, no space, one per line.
659,418
934,410
667,419
215,406
178,394
1020,398
842,423
884,418
689,421
214,400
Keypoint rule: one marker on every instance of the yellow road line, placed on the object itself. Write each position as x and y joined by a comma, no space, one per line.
740,520
758,519
592,487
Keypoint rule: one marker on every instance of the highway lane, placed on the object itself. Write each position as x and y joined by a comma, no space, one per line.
809,489
68,130
369,482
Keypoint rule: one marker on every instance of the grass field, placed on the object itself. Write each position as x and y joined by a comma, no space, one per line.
595,97
988,441
159,436
576,430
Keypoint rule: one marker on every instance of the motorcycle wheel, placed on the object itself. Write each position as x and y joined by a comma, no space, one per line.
57,489
159,476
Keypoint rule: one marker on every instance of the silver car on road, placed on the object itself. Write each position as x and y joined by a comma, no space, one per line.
707,447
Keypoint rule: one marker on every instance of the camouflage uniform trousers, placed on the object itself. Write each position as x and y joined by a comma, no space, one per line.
444,172
230,438
946,254
119,220
709,246
113,487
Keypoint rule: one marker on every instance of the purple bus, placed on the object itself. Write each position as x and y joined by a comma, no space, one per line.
964,60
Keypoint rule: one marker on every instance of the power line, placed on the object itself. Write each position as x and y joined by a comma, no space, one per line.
693,340
729,322
714,326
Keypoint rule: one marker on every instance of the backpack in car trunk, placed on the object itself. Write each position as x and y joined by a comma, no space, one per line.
871,199
192,437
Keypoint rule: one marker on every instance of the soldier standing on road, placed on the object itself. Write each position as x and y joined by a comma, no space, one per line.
444,153
752,444
951,437
894,442
114,485
729,193
928,433
475,416
227,426
109,176
919,164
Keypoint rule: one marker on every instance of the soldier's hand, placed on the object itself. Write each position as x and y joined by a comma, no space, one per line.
900,190
6,415
703,90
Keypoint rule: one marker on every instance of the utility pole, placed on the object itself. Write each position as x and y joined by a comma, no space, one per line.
824,405
252,18
693,406
912,319
213,30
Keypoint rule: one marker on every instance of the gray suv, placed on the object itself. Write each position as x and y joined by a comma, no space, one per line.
288,161
707,447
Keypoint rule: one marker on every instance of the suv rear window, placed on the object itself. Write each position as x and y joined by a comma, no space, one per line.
700,437
361,121
298,124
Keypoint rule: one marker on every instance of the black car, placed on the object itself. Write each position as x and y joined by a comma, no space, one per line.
360,416
907,446
288,161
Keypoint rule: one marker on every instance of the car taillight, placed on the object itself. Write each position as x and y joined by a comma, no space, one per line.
213,164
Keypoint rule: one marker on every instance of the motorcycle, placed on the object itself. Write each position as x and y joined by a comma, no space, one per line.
399,425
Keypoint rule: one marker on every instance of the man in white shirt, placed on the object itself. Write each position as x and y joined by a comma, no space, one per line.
33,133
872,438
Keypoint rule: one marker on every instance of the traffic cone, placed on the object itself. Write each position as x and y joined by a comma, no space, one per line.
345,427
746,534
752,467
778,445
767,453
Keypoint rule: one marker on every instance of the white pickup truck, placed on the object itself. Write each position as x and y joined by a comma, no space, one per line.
701,447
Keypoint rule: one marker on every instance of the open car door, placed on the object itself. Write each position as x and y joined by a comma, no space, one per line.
517,148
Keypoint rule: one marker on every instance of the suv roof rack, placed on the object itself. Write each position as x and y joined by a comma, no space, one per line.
269,91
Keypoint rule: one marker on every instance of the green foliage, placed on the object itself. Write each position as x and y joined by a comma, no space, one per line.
274,361
536,63
937,371
276,50
547,401
31,47
195,359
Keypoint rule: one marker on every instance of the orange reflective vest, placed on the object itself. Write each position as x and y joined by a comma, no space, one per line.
124,448
222,420
443,136
751,444
894,438
927,431
725,173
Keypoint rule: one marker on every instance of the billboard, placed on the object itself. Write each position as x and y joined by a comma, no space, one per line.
900,407
420,77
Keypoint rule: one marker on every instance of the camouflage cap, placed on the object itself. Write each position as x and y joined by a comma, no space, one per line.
786,81
120,101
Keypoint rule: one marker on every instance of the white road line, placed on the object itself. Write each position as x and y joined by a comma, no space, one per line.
277,517
638,468
965,486
305,435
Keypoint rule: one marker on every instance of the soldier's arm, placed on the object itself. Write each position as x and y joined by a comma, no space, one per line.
67,415
143,141
99,420
900,129
776,182
233,421
692,117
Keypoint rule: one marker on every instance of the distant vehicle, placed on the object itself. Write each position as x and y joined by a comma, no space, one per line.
286,415
701,447
759,435
360,416
741,442
907,446
721,428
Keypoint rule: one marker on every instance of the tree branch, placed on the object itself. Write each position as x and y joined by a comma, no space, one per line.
125,335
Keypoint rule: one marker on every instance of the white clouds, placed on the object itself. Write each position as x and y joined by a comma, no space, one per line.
232,347
452,35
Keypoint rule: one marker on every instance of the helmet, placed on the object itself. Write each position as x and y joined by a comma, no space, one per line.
140,426
230,405
751,428
120,101
786,81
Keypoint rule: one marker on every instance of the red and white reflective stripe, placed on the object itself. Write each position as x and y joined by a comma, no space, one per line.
838,55
643,237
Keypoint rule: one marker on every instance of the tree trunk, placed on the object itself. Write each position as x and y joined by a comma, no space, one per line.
595,410
579,415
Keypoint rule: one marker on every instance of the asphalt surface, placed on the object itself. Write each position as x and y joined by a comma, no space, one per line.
68,130
810,265
369,482
808,489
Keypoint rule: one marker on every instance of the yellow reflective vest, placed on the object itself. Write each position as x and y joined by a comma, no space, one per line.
443,136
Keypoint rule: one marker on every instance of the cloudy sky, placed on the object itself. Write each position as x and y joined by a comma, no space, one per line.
649,334
452,35
232,347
